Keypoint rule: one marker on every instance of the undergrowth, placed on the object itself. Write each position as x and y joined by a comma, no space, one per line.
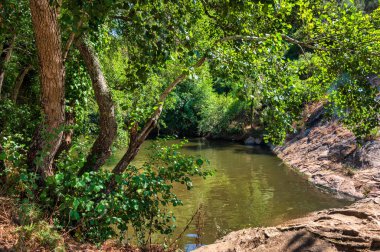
81,207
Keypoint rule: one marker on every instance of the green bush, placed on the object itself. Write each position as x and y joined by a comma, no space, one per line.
84,207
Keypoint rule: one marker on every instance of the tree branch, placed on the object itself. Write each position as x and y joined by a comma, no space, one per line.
19,81
138,138
5,56
70,41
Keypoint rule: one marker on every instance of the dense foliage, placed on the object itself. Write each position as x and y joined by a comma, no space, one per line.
211,68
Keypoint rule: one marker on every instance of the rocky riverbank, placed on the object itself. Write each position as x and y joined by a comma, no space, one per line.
330,157
353,228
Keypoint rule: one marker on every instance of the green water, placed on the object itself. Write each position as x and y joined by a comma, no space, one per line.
251,188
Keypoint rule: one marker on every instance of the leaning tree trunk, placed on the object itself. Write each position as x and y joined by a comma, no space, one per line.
136,140
19,81
101,149
4,59
52,73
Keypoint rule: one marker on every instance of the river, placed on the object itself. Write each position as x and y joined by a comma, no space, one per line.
251,188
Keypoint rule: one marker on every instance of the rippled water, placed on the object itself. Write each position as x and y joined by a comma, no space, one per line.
251,188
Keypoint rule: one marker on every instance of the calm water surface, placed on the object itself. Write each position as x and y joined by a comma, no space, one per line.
251,188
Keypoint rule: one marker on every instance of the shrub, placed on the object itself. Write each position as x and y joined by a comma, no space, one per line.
84,207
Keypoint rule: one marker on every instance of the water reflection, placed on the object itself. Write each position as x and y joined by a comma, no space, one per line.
251,188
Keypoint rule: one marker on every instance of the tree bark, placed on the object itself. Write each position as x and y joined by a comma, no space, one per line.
19,81
136,140
2,166
52,74
4,59
67,137
101,149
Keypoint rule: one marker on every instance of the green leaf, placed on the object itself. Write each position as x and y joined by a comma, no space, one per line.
76,203
74,215
3,155
199,162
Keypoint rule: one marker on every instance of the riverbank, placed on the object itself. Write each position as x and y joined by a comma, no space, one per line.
353,228
330,157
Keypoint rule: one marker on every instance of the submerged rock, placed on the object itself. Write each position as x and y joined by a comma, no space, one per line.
252,141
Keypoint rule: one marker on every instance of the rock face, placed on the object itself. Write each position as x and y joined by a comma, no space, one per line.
368,156
330,157
354,228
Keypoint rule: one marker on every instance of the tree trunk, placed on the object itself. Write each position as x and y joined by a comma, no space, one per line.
251,114
19,81
67,137
101,149
2,165
4,59
137,140
52,74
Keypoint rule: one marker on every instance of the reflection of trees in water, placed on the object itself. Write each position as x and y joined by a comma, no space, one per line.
250,188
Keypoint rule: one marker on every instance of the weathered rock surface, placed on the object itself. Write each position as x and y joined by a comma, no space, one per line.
329,156
353,228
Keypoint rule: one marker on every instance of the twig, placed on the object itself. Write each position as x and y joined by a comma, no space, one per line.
186,227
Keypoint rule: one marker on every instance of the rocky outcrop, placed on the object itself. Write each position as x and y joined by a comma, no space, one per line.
354,228
330,157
